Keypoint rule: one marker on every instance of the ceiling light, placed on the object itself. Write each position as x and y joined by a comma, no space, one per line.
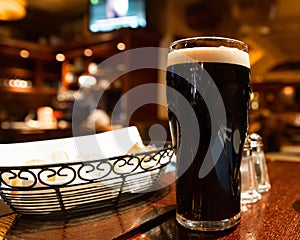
121,46
60,57
24,53
11,10
88,52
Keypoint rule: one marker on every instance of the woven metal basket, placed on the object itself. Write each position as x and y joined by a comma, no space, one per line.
75,188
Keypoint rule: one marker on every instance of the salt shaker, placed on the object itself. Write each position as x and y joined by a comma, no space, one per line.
249,193
261,171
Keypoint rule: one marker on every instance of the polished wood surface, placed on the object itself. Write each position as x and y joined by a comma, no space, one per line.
275,216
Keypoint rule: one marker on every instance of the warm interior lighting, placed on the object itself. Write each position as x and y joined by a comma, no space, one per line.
288,90
24,53
60,57
93,68
254,100
69,78
88,52
17,83
121,46
87,80
11,10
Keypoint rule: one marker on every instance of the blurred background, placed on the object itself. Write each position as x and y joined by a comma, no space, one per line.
52,48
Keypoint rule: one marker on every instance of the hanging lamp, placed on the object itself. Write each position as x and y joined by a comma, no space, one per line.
12,10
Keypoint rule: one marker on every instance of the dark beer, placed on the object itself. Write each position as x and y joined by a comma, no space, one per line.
216,196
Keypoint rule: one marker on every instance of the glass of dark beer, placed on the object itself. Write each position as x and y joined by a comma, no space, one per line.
208,95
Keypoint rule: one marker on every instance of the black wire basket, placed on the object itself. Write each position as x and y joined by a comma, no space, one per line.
76,188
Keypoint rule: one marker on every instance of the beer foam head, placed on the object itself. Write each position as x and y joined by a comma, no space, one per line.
209,54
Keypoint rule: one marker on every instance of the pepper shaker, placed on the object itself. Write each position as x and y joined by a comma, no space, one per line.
249,193
261,170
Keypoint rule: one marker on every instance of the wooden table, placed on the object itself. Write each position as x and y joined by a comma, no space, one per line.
275,216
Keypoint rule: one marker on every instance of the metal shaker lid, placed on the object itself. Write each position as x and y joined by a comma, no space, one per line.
247,143
247,147
256,141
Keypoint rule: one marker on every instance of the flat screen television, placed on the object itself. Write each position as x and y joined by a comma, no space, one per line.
109,15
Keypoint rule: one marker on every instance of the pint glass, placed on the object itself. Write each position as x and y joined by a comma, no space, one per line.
208,94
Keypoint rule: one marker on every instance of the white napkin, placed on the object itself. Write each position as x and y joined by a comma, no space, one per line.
93,147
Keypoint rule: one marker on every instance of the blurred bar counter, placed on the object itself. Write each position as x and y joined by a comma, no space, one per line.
20,132
15,132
